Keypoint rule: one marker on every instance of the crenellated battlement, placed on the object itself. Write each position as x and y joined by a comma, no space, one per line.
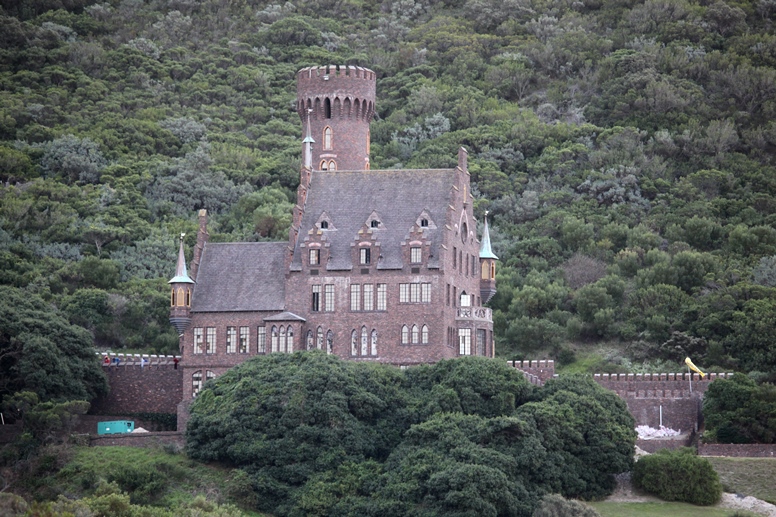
339,92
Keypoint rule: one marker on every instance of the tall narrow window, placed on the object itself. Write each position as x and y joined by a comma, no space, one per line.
244,346
188,297
332,165
210,341
368,297
474,266
282,340
414,293
196,382
231,340
415,255
327,138
319,338
327,108
424,335
484,272
404,293
324,165
382,297
373,351
481,342
466,269
172,297
315,256
353,343
364,341
355,297
405,335
310,342
290,340
328,297
329,341
198,340
365,256
316,300
448,295
274,339
425,293
261,340
415,335
464,341
181,297
455,257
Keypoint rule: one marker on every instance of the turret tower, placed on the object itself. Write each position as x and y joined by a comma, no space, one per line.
180,294
337,104
487,266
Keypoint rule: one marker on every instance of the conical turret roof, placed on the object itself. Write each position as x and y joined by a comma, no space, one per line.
485,251
181,276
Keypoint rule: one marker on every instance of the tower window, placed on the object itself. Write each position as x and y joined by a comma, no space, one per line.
365,256
324,165
374,224
327,138
327,108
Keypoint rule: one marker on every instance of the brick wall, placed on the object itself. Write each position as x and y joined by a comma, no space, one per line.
652,446
746,450
152,389
680,414
138,439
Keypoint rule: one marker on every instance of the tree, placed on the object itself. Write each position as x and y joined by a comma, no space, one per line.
738,410
41,352
75,159
678,475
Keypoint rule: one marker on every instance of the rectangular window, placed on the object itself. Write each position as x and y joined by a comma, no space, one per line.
261,340
382,297
210,341
474,266
481,342
198,340
316,301
466,269
460,257
464,341
328,297
404,293
455,257
355,297
415,255
368,297
455,296
244,338
425,293
315,257
365,255
414,293
231,340
448,295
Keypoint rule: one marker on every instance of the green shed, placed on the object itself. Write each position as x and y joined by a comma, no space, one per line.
115,427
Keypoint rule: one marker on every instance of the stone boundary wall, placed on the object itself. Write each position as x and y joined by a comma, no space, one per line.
137,359
656,385
145,440
736,450
543,370
135,389
652,446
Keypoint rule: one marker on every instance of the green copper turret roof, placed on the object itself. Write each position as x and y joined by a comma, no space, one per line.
181,276
485,251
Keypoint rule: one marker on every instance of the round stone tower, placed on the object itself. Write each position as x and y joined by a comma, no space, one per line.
336,104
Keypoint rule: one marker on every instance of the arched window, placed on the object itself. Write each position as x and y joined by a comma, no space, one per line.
364,341
324,165
172,297
282,343
373,351
188,297
424,223
181,298
290,340
319,339
332,165
464,232
310,340
405,335
327,138
324,225
329,341
424,335
327,108
274,339
415,334
353,343
196,382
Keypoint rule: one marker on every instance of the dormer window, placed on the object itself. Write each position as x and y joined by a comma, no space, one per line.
374,224
365,256
415,255
424,223
315,256
327,138
324,225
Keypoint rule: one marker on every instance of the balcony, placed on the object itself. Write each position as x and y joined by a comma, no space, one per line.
475,314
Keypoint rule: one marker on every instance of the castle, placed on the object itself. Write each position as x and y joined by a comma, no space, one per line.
380,265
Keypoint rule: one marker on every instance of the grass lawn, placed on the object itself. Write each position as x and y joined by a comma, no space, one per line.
747,476
662,509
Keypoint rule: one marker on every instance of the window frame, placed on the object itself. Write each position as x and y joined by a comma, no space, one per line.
416,255
231,340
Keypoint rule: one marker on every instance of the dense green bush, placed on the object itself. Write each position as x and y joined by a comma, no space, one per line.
554,505
678,475
739,410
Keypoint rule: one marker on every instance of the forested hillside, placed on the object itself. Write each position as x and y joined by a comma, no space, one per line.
624,149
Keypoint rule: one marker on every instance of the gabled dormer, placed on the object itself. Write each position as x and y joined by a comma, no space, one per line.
325,223
416,249
374,221
315,250
366,247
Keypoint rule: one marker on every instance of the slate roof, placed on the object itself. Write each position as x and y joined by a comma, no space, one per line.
241,276
398,196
